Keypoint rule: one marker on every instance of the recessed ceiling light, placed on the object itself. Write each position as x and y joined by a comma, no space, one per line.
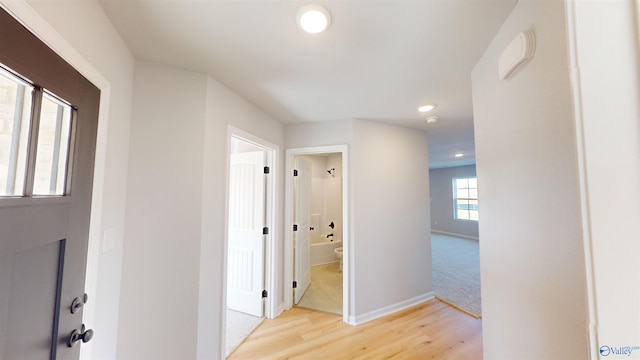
313,19
426,108
458,155
432,119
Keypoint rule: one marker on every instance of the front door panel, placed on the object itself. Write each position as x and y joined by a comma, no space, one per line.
44,238
33,294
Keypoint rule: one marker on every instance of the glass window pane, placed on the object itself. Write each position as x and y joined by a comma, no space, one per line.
473,215
473,193
463,214
15,112
473,204
462,183
473,183
53,147
462,194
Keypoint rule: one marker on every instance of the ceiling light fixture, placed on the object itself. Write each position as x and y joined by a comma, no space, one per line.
458,155
426,108
313,19
432,119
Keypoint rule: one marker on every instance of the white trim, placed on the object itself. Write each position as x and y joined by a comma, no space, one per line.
30,19
348,295
576,92
391,309
455,235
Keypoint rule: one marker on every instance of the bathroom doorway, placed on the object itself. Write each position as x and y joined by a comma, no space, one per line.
325,232
316,211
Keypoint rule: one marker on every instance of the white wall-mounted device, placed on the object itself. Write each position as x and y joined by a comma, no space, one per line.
517,53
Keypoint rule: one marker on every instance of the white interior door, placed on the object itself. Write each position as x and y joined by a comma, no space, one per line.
245,278
47,147
302,220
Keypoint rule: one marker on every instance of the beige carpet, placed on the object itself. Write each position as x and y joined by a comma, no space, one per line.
456,271
239,326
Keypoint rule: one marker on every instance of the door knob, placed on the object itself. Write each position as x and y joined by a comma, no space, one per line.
78,335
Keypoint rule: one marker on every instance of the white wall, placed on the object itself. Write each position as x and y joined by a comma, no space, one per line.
162,236
318,213
333,186
102,56
532,266
226,108
604,40
319,134
334,161
442,212
391,231
389,202
326,196
176,217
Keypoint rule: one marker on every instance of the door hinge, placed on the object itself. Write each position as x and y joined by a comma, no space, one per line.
295,284
266,169
295,227
295,172
264,294
265,231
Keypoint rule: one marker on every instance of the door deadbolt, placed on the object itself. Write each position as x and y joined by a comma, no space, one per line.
78,303
84,335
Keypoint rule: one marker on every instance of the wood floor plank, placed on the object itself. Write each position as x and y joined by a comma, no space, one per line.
433,330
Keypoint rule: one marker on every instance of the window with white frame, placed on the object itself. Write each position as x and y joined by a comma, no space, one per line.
465,198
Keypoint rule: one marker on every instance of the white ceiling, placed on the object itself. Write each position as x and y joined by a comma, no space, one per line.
379,60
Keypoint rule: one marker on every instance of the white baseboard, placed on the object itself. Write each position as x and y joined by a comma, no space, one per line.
388,310
456,235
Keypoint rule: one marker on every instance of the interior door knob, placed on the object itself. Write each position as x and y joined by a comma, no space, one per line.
77,335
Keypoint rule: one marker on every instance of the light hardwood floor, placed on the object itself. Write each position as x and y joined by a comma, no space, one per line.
433,330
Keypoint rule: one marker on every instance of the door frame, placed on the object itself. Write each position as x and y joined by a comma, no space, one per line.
347,271
271,151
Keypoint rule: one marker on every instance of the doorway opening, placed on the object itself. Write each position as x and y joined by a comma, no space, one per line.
324,215
251,230
317,263
455,238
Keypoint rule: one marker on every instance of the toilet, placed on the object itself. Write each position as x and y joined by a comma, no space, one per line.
338,252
